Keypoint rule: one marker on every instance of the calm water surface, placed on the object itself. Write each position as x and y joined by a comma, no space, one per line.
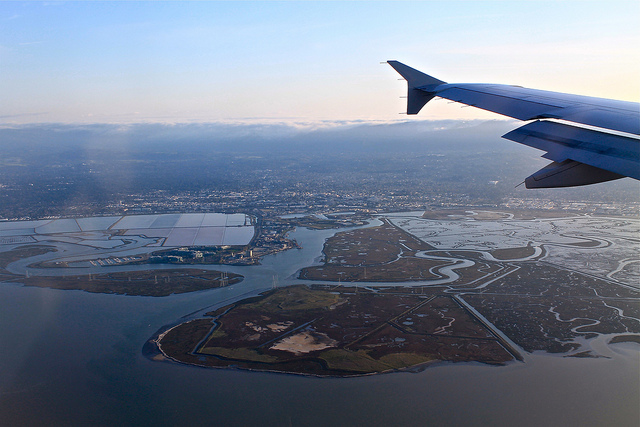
74,358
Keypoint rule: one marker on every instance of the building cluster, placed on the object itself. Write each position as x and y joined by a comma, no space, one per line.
270,203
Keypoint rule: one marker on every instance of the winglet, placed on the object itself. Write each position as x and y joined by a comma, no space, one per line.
420,86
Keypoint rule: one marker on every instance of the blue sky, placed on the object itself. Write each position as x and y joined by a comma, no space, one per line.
123,62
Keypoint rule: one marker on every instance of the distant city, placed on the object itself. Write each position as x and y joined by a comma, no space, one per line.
72,172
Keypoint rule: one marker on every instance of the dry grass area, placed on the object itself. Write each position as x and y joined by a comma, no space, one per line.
513,253
377,254
155,283
339,332
541,307
401,270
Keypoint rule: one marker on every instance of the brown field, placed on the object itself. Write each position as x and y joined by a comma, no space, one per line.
377,254
523,306
346,332
513,253
404,269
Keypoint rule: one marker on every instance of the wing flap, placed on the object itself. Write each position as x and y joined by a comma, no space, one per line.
615,153
620,120
569,174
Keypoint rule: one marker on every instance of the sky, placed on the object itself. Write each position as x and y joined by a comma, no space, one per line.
299,62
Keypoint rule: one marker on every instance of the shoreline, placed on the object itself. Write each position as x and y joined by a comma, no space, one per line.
153,348
250,324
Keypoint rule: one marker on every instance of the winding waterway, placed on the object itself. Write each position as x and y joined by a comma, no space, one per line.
74,358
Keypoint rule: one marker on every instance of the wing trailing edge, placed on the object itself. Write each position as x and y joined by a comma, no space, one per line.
580,156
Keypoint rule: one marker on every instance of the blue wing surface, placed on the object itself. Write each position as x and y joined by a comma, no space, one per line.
580,155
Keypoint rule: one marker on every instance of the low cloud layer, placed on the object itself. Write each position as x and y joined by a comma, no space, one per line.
419,136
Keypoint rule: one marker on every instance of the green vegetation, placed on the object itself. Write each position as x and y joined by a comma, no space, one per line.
397,360
239,354
354,361
295,298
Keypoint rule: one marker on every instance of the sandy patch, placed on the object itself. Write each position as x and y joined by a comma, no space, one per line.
280,326
304,342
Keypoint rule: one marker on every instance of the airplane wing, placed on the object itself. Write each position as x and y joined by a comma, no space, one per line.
579,155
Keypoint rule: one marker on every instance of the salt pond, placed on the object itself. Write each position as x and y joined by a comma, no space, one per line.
168,230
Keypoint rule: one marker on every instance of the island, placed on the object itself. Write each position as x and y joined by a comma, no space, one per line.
335,331
153,283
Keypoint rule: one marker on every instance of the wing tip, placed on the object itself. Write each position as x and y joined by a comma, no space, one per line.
421,86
